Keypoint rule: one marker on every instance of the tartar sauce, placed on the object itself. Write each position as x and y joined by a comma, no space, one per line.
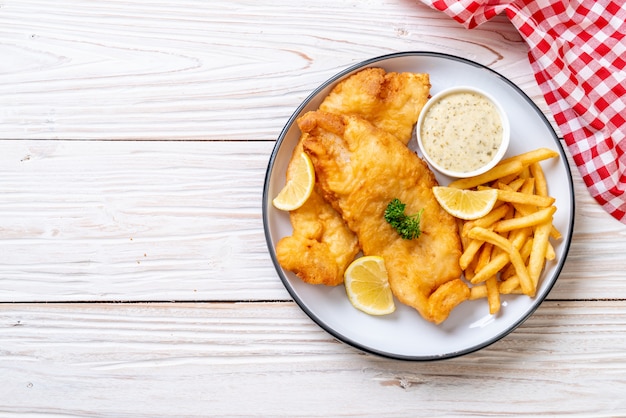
462,131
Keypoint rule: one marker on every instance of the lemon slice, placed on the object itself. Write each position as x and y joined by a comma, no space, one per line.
299,186
367,286
466,204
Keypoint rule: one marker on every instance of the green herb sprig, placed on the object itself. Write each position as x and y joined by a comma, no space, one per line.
408,226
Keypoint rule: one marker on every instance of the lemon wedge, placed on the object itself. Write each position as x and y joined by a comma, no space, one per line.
367,286
299,186
466,204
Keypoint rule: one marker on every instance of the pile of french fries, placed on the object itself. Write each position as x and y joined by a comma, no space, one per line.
505,251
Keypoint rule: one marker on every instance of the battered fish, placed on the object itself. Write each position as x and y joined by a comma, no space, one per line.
322,246
360,169
389,101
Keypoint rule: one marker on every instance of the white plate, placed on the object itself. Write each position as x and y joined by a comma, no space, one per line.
404,334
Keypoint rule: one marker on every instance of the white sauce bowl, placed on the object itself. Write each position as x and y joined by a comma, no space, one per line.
458,131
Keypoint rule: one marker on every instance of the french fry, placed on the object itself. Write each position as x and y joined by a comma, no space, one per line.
525,199
514,255
505,251
519,237
484,256
522,186
533,156
511,179
507,272
489,219
495,265
514,185
510,286
550,253
537,257
555,234
478,292
493,295
470,251
539,217
541,186
524,251
502,259
529,186
500,170
525,173
469,271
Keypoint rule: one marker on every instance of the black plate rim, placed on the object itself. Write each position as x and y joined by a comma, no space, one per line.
266,202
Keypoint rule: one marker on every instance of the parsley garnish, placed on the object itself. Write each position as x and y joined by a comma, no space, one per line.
408,226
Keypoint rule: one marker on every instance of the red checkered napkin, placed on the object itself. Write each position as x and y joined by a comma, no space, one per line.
577,49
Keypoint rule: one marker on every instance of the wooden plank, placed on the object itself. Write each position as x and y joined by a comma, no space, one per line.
162,221
270,359
208,70
133,221
134,139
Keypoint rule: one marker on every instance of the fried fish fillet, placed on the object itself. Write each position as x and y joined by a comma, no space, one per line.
322,246
360,169
390,101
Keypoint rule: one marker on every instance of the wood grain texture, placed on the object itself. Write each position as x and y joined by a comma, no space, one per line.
134,140
269,359
126,221
181,221
207,70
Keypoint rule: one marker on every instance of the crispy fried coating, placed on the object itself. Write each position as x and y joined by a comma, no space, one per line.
360,169
390,101
322,246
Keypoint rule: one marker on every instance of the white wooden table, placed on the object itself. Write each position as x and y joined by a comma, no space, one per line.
134,274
